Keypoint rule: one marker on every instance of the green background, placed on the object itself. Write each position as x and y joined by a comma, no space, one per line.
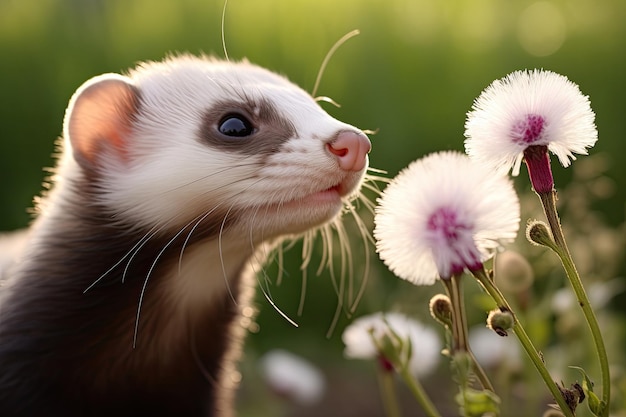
412,74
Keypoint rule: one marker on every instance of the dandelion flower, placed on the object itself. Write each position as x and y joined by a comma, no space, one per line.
442,214
292,376
425,343
523,116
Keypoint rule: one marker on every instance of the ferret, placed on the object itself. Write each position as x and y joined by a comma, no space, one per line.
170,184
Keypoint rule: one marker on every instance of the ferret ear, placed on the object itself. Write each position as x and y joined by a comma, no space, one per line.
99,118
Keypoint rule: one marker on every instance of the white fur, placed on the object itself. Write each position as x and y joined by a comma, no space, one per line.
172,177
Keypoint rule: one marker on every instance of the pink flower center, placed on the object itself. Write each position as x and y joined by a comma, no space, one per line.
529,130
445,224
452,242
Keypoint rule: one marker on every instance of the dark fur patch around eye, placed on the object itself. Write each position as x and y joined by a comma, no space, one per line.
270,129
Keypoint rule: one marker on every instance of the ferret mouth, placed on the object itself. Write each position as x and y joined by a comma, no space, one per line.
339,190
330,198
331,195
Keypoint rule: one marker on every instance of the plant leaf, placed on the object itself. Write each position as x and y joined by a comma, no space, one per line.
597,407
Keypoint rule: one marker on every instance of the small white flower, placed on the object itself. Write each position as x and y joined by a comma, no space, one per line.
528,108
442,214
599,293
292,376
492,350
425,342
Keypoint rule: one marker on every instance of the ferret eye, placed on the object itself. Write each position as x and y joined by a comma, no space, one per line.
235,125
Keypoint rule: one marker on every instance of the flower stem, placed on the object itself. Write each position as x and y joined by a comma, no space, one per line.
548,200
525,341
396,358
418,392
388,392
459,328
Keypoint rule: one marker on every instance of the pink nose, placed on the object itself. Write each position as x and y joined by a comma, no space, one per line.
351,150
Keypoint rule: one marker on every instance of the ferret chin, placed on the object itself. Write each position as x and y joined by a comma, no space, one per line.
125,297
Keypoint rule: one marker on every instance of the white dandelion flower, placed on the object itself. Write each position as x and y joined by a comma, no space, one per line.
292,376
442,214
425,342
525,111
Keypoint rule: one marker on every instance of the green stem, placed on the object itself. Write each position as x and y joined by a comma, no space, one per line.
525,341
459,328
397,358
418,392
459,341
548,200
388,392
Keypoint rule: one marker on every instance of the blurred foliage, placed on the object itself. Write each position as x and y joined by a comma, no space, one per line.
412,75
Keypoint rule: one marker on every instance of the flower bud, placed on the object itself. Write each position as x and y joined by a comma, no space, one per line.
500,321
538,234
513,272
441,309
390,347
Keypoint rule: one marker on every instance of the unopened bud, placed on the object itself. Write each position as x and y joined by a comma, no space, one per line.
513,272
441,309
389,347
500,321
538,234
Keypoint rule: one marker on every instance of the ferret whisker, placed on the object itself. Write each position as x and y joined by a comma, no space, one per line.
220,248
307,253
376,175
198,219
213,174
328,56
223,23
147,278
340,288
327,252
279,311
201,219
372,187
137,250
374,179
377,171
367,239
331,264
265,283
347,263
307,249
266,290
253,246
347,258
325,234
141,241
373,175
280,264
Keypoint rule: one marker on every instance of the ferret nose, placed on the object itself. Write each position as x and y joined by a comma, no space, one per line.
351,149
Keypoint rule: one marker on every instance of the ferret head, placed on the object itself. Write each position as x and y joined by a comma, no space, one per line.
194,140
